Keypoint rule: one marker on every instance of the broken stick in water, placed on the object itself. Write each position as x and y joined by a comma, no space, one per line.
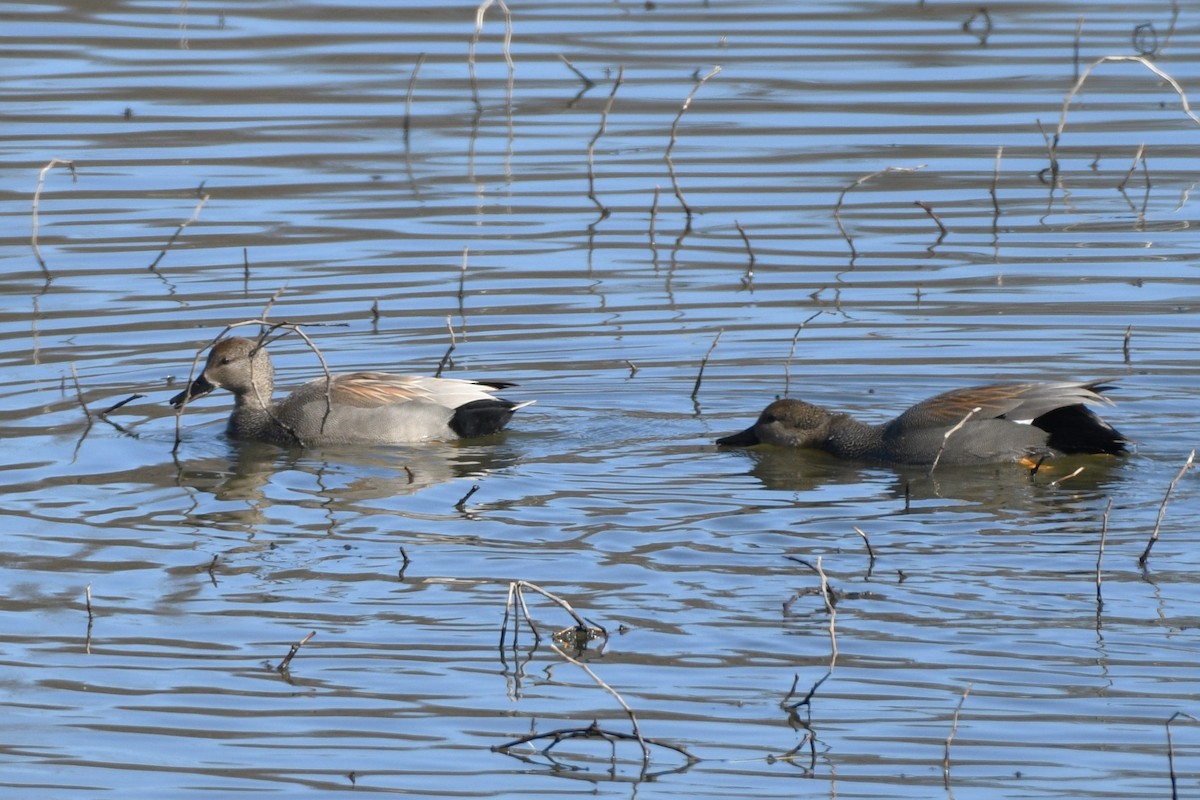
283,665
703,362
1162,509
182,225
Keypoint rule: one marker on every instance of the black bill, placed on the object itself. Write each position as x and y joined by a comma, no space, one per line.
747,438
197,388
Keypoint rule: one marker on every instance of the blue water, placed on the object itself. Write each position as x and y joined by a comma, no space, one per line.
206,564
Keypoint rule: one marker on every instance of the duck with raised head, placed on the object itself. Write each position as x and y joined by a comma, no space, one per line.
998,422
354,408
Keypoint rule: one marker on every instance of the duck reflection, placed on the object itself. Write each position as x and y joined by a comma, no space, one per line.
340,474
986,484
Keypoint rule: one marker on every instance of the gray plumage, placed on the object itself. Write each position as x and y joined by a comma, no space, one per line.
998,422
355,408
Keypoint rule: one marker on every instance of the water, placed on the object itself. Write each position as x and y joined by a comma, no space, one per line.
206,564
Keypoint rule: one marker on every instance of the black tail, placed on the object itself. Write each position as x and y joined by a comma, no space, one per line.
481,417
1078,430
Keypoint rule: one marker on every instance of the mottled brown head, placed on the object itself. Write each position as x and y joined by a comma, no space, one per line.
786,423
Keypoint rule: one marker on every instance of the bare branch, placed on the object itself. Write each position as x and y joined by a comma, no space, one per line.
1145,62
1162,509
675,135
37,195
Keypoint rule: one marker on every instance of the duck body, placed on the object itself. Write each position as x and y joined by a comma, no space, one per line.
977,425
353,408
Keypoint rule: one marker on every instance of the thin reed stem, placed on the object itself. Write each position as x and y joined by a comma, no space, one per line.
37,195
675,136
1162,509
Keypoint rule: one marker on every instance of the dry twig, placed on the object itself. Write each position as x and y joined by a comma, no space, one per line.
832,609
479,12
946,438
1062,119
195,213
995,184
807,699
675,135
37,195
1100,553
283,665
79,395
950,738
653,216
703,362
810,734
748,278
1059,481
787,365
587,82
405,561
592,731
1078,38
1162,509
87,597
583,629
932,215
462,503
1171,751
591,151
118,404
637,731
408,97
517,596
462,277
453,344
866,541
837,207
1138,158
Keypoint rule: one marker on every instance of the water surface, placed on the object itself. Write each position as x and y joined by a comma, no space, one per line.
207,563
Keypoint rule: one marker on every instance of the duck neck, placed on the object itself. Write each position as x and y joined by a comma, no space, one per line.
257,396
849,438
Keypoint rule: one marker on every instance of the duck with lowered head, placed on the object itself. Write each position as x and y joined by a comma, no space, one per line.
986,424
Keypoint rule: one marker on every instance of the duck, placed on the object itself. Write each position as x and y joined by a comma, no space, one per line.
351,408
1025,422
